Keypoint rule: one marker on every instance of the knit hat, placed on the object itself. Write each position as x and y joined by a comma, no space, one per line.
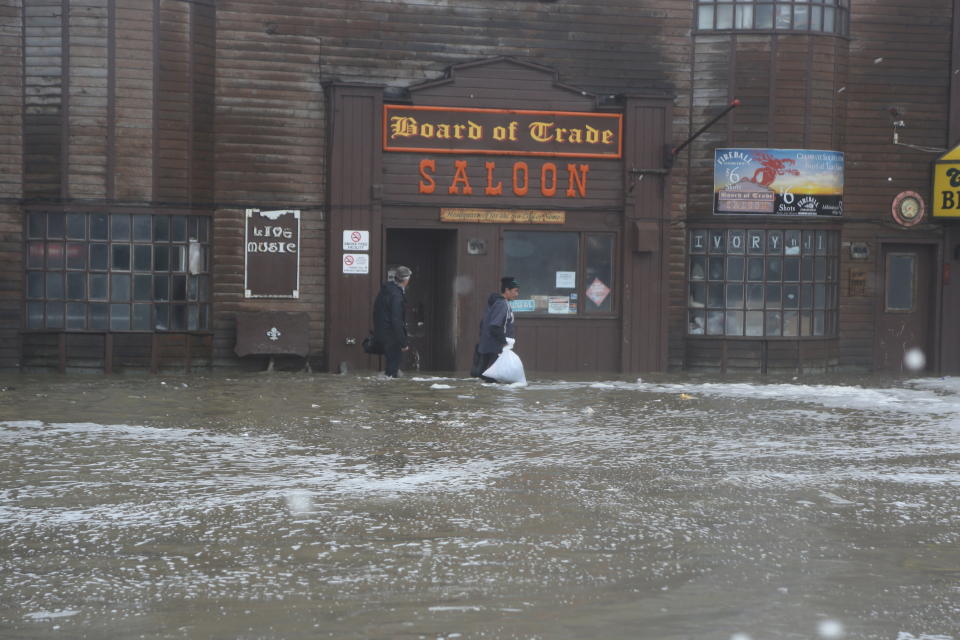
508,282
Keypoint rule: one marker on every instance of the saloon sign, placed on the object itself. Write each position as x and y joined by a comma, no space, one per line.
549,149
783,182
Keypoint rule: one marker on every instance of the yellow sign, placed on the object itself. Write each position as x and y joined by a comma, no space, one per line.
503,216
946,185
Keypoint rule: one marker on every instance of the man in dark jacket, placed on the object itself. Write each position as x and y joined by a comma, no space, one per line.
389,319
497,323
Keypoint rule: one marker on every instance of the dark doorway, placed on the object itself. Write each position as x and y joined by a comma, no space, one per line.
906,318
431,308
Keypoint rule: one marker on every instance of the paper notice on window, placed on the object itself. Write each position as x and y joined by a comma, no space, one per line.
566,279
558,304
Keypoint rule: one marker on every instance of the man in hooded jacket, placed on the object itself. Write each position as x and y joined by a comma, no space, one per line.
389,319
497,323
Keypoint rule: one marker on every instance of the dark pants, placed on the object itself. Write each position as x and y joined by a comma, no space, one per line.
488,359
392,354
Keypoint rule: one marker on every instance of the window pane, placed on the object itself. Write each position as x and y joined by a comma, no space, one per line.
141,317
774,269
35,253
764,16
178,317
801,17
98,316
142,257
772,297
76,255
697,323
98,257
717,242
541,261
791,323
203,288
715,323
755,269
36,227
55,225
698,295
698,268
35,284
816,18
178,257
179,229
119,227
161,228
772,327
715,268
143,287
119,288
783,16
755,242
725,16
77,286
98,286
828,22
734,296
705,17
715,295
734,323
819,296
598,280
76,315
179,290
98,226
193,317
791,269
54,282
55,315
119,317
55,255
791,243
698,241
755,296
791,296
121,257
162,320
161,258
754,324
77,226
774,242
735,241
34,315
735,266
161,287
142,228
744,17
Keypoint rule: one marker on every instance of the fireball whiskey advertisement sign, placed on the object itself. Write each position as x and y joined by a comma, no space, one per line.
781,182
272,254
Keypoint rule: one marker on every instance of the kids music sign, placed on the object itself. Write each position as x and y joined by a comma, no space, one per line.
554,136
782,182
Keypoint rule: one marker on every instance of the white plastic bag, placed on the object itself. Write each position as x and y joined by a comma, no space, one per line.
507,367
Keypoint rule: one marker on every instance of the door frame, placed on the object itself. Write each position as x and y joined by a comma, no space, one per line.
934,289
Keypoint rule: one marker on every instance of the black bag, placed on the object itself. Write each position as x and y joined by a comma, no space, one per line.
476,369
372,346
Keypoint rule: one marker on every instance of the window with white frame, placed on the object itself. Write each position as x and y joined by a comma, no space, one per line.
117,272
762,282
822,16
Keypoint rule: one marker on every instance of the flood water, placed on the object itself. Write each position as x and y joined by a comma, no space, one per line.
288,506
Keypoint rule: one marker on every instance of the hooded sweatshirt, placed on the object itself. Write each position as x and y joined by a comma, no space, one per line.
496,325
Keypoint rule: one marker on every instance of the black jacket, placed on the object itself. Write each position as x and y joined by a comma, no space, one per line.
389,316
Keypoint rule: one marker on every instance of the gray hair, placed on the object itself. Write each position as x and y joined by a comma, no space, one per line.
401,273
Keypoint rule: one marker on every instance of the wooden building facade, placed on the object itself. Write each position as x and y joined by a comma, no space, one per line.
546,140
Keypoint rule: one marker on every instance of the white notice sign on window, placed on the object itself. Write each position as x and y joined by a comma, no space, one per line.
566,279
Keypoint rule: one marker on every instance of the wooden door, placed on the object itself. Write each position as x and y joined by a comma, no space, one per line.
429,253
905,318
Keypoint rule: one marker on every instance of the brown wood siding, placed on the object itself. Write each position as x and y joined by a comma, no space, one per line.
269,152
44,101
88,81
11,181
133,112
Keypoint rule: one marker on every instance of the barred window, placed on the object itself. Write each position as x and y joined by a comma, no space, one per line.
824,16
117,272
762,282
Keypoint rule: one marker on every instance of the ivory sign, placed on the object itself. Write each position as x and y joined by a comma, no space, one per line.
271,256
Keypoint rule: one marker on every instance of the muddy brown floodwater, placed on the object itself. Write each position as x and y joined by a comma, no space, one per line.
289,506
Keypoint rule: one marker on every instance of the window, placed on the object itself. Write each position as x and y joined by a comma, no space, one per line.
762,282
822,16
117,272
901,278
561,272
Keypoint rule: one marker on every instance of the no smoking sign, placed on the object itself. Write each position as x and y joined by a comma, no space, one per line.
356,263
356,240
